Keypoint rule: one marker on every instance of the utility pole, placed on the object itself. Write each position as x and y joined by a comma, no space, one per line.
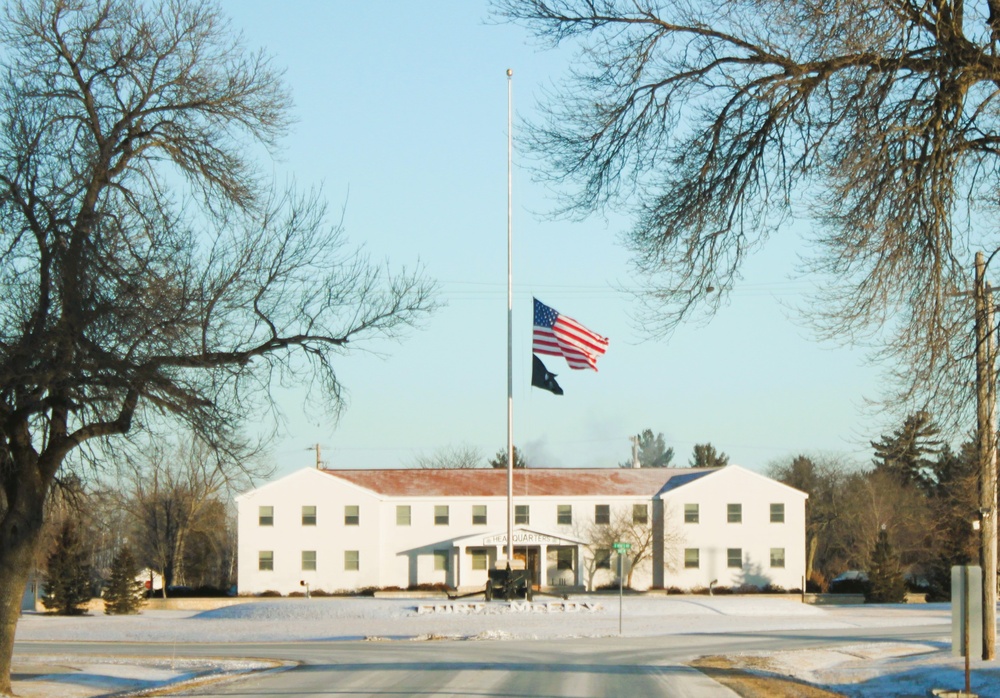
319,462
986,416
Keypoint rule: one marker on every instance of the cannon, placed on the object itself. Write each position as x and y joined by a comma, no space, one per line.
508,584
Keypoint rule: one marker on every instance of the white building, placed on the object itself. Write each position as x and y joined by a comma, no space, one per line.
353,529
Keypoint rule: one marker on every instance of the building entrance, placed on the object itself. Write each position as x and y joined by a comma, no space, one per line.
530,557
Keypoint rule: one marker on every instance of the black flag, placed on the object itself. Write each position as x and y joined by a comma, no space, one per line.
541,378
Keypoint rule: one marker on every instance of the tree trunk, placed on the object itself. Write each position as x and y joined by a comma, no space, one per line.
19,534
811,548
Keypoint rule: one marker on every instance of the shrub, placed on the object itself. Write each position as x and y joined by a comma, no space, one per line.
270,593
816,584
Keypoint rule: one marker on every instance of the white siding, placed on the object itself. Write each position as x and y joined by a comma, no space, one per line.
392,555
713,535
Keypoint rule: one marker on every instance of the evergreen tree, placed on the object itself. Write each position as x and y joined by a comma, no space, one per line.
500,459
906,452
123,594
705,456
653,451
885,577
67,583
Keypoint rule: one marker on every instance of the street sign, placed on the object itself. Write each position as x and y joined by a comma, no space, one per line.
621,546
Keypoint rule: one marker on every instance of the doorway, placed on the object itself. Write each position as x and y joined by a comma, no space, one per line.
530,558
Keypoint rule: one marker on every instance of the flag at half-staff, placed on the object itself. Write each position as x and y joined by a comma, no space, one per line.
542,378
559,335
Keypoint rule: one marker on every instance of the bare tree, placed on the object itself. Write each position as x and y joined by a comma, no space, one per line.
462,457
876,120
148,271
173,492
635,527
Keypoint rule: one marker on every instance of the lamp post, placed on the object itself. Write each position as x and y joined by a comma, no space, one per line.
986,419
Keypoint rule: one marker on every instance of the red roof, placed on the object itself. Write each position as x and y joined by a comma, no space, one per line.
529,482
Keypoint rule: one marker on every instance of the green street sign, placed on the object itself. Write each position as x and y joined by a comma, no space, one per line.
621,546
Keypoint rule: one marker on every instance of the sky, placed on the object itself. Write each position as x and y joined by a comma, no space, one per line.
401,112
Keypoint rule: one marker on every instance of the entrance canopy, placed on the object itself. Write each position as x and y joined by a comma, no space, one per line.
522,537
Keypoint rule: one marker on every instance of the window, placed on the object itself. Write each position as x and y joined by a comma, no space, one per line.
564,514
265,560
734,557
441,560
308,560
640,514
479,514
521,514
602,558
479,559
692,558
734,513
402,514
308,516
441,515
564,558
352,515
602,514
778,513
690,513
265,516
777,557
352,560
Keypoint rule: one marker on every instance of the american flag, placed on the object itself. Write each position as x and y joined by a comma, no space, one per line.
558,335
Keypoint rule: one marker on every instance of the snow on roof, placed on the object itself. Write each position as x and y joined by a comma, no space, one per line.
528,482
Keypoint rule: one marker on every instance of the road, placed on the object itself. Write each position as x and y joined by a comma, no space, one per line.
633,666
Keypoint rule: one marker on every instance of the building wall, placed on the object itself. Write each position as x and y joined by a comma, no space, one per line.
755,536
394,555
330,538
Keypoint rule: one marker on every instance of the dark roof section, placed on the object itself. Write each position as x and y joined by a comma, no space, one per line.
528,482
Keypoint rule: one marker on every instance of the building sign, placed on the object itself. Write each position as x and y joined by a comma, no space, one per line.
524,538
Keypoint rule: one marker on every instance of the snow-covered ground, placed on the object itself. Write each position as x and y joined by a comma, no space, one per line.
863,669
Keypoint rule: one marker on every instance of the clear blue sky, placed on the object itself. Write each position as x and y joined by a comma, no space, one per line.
402,114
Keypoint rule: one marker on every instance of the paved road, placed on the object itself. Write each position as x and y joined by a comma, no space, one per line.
632,667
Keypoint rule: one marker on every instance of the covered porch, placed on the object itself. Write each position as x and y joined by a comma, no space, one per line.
556,561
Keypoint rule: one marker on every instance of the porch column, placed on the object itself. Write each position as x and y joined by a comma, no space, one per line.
543,564
579,566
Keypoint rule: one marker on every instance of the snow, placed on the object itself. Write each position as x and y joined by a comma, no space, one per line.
860,669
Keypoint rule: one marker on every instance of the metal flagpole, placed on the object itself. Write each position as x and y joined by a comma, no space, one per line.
510,331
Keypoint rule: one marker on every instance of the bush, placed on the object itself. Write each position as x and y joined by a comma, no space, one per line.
816,584
270,593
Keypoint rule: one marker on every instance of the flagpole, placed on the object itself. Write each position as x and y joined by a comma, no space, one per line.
510,329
